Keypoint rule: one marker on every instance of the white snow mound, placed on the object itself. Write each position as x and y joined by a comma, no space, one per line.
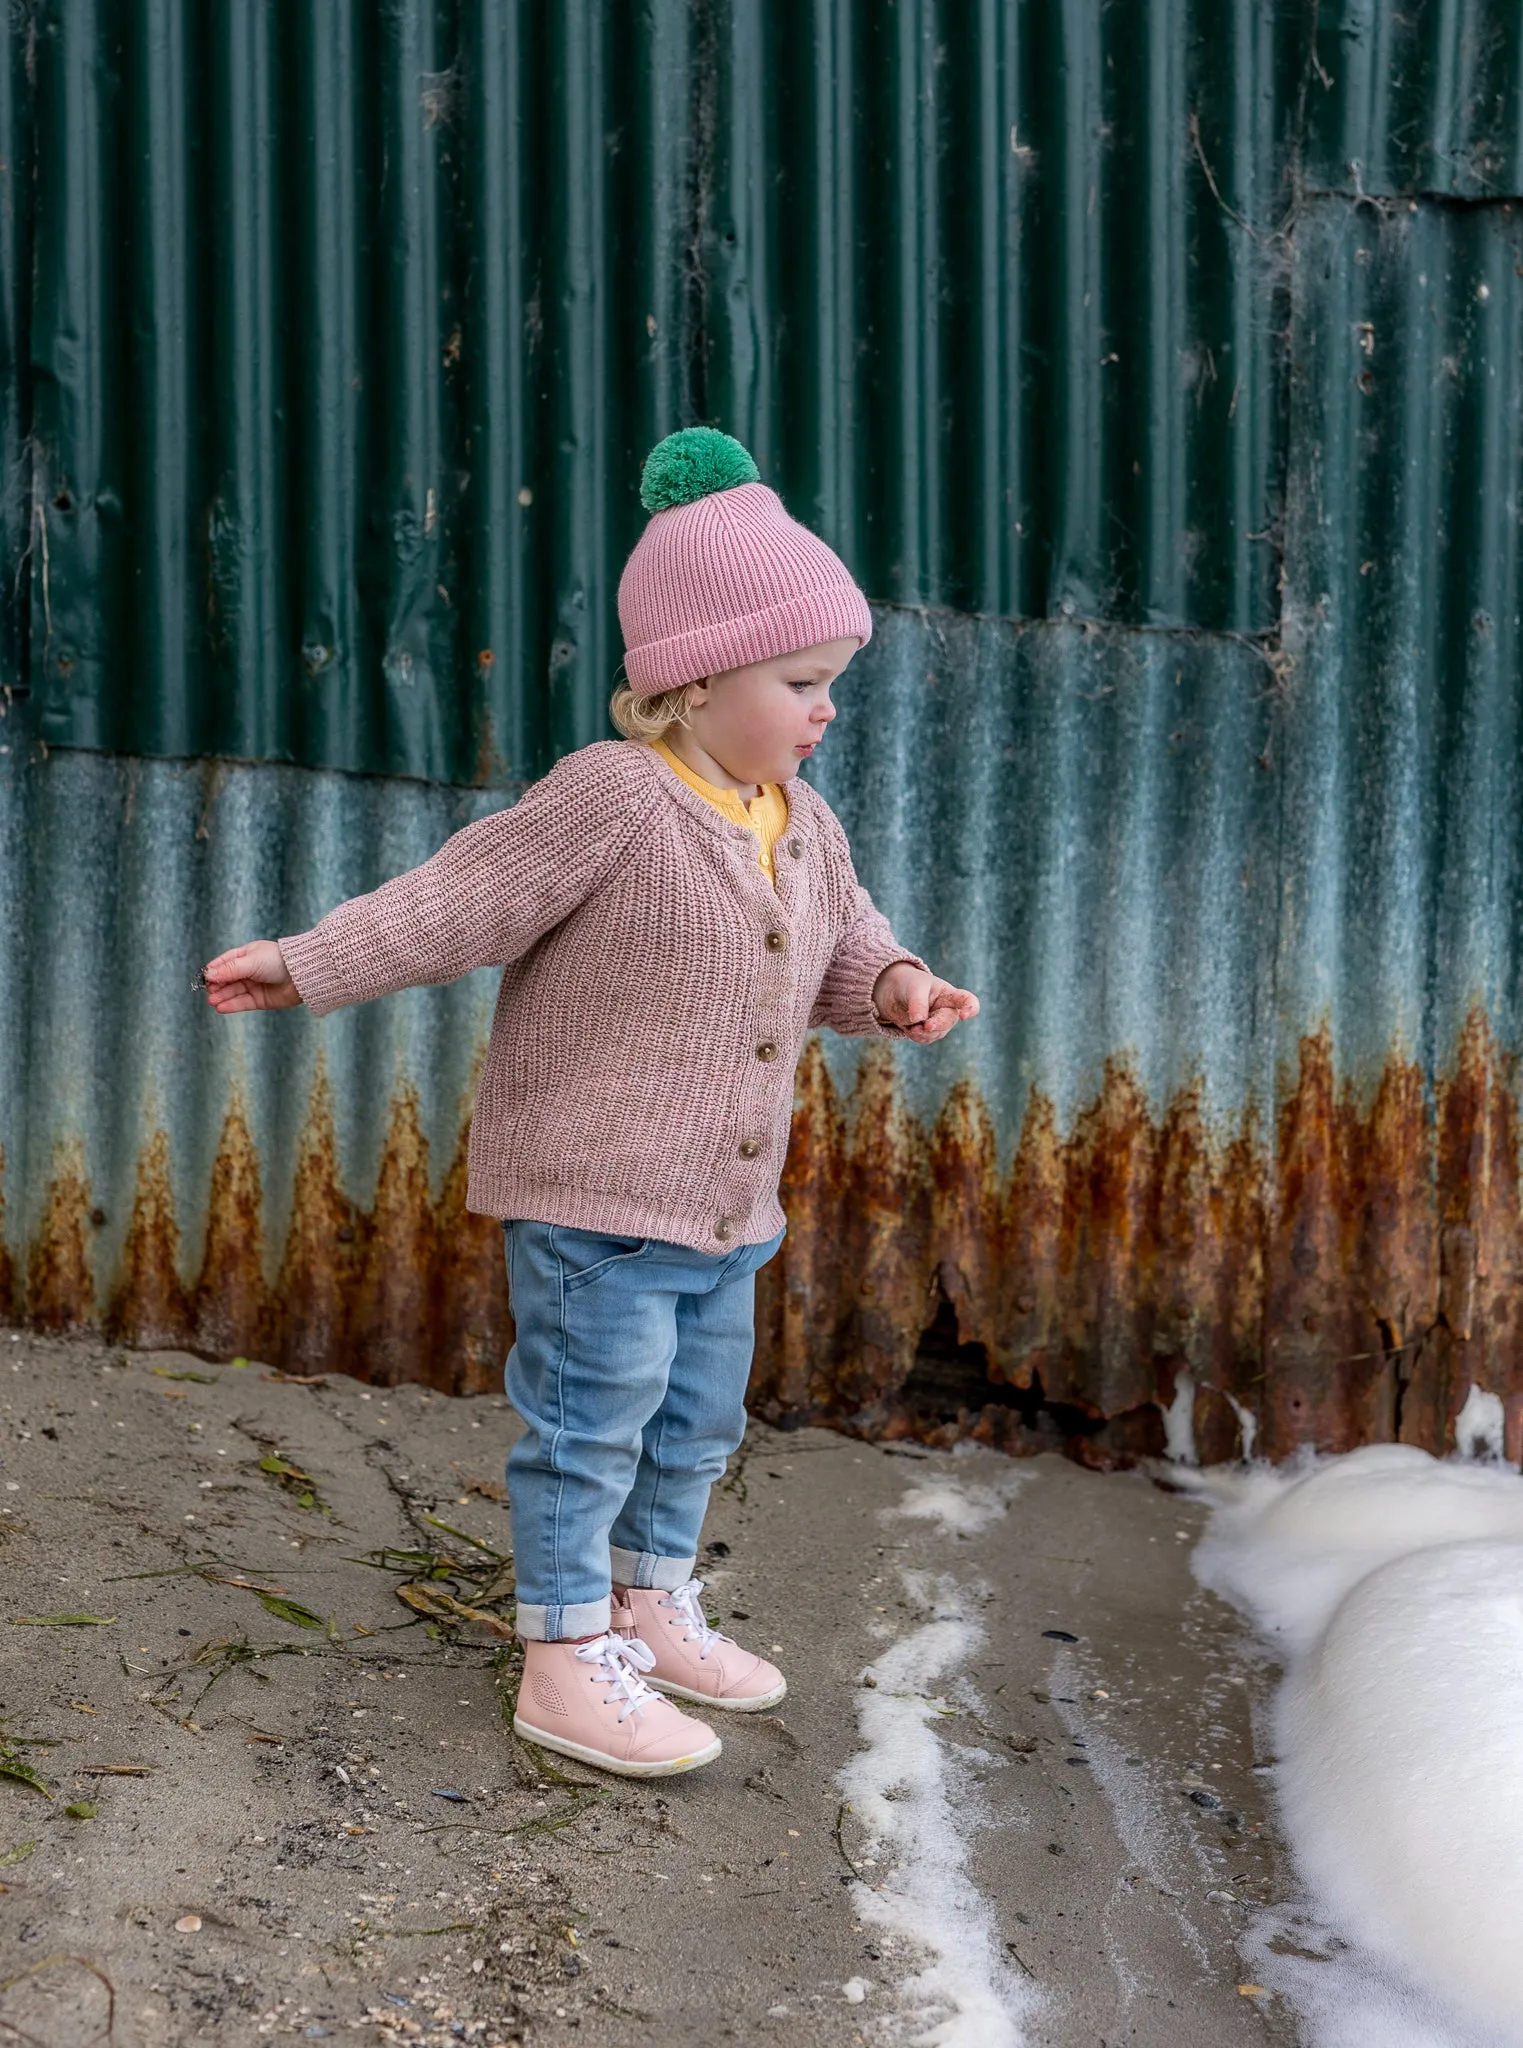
1393,1586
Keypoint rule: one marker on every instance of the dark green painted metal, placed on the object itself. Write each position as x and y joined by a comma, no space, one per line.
15,307
348,322
1426,97
974,298
352,324
1403,626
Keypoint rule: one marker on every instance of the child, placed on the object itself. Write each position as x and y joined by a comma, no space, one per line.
672,912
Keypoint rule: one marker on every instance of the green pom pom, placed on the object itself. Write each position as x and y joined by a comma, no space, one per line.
690,465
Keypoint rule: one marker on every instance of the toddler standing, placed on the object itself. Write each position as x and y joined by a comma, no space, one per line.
672,912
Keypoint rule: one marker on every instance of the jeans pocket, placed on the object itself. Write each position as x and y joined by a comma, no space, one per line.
585,1255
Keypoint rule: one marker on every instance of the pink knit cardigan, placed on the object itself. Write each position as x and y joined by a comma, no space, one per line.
655,996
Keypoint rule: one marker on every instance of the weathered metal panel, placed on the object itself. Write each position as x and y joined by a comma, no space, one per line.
1150,1157
296,1191
1072,313
350,326
980,297
1413,99
16,57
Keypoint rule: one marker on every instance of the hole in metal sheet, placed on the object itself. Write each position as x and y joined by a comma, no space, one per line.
951,1380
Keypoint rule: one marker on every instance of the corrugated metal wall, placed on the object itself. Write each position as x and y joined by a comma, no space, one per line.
1156,366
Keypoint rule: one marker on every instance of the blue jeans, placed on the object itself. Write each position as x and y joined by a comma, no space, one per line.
629,1372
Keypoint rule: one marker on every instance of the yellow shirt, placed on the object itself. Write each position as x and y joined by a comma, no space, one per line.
766,814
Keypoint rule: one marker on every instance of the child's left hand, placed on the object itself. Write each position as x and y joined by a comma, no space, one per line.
922,1006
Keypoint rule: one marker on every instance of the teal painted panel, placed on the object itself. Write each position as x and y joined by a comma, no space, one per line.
340,331
16,501
350,325
1404,622
1421,98
987,292
1081,824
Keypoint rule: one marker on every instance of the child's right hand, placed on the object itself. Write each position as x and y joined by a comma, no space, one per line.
250,977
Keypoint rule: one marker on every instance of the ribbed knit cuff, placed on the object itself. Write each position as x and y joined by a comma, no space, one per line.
855,969
310,966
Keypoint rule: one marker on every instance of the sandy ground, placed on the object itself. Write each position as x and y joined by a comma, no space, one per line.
307,1815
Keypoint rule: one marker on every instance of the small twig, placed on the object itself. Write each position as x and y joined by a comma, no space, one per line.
1216,193
474,1541
454,1927
841,1812
551,1824
108,2033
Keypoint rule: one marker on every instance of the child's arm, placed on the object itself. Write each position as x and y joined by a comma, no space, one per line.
873,984
486,896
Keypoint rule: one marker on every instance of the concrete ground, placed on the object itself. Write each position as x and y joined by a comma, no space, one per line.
301,1811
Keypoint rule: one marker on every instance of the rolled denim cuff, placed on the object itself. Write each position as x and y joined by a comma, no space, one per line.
644,1568
557,1624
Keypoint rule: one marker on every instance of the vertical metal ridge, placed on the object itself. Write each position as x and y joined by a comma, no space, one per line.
1427,99
326,686
17,481
500,364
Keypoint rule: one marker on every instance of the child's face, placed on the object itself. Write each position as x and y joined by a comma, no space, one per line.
761,721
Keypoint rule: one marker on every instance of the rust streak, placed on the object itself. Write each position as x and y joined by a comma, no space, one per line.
231,1312
9,1305
148,1307
474,1328
388,1307
60,1281
321,1265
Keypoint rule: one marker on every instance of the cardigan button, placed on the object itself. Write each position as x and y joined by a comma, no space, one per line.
748,1148
776,941
767,1050
724,1229
796,848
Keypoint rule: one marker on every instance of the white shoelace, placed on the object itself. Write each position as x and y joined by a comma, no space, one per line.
687,1601
621,1661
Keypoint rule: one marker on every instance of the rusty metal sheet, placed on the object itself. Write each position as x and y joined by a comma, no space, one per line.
295,1193
1143,322
1161,1150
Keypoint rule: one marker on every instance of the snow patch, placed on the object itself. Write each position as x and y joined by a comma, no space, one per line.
915,1797
957,1510
855,1990
1392,1585
1480,1428
1247,1426
1179,1423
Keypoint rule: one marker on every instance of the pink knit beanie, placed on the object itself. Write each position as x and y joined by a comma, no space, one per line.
722,575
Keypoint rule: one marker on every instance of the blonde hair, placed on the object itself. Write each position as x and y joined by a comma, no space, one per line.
651,717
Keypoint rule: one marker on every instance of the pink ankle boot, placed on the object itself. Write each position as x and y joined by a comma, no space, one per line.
590,1701
692,1660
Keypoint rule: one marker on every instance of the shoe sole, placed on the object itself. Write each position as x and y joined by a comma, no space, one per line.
759,1705
672,1768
